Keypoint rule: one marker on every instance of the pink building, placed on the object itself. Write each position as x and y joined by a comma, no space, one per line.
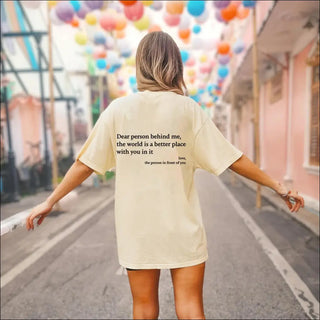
288,54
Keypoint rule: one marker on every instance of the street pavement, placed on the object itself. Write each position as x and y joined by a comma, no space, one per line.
67,270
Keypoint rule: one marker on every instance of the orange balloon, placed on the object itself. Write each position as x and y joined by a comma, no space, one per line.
128,3
121,22
174,7
75,23
120,34
184,34
237,3
229,12
186,40
223,48
242,12
154,28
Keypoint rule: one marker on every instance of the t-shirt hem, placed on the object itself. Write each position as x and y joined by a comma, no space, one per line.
163,265
90,164
228,163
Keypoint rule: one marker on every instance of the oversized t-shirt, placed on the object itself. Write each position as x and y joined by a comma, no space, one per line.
156,141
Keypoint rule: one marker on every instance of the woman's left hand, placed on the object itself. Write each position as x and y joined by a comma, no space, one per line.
291,198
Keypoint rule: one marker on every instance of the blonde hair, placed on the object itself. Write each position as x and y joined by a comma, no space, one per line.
158,64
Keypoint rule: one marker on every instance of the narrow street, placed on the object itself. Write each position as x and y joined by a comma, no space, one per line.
59,272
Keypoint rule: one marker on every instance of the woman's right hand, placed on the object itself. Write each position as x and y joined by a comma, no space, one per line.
290,197
40,211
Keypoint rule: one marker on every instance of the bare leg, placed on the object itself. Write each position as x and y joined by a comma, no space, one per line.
144,286
188,284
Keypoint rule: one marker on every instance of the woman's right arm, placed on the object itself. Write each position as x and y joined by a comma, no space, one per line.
76,174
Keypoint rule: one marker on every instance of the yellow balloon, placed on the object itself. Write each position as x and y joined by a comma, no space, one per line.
131,61
81,38
191,72
203,58
52,4
143,23
91,19
193,91
147,3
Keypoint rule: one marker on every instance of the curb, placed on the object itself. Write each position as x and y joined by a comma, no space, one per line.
303,216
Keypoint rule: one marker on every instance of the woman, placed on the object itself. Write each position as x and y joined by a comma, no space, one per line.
156,138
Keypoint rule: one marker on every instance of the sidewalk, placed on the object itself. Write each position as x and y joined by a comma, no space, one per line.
304,216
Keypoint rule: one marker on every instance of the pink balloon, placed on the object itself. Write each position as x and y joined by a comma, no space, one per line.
171,20
134,12
190,62
108,21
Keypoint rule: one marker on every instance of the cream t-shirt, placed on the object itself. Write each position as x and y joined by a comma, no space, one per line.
156,141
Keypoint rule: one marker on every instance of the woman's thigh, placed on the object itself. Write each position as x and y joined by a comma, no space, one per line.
188,289
144,285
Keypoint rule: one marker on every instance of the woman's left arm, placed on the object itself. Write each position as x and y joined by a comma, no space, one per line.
246,168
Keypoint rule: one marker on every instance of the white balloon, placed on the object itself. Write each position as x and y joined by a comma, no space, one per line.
31,4
185,21
203,17
197,43
113,58
54,18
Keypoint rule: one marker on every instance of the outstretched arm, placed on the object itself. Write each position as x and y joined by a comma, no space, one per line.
76,174
246,168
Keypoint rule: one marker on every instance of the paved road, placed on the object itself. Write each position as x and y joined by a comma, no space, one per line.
79,277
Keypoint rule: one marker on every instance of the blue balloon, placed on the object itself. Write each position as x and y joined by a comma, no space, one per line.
238,47
196,29
89,50
132,80
99,38
248,3
215,98
196,98
101,63
201,91
223,71
210,87
184,55
196,8
112,69
76,5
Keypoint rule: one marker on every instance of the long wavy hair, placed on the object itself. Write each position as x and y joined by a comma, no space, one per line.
159,65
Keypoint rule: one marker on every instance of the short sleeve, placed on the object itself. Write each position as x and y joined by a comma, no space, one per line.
212,151
97,151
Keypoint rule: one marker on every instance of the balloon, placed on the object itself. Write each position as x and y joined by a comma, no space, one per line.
128,3
54,19
242,12
126,53
115,5
197,43
248,3
75,23
203,58
91,19
185,21
203,17
171,20
154,28
76,5
221,4
51,3
108,21
237,3
81,38
120,81
101,64
131,61
100,53
196,8
218,16
193,91
184,55
113,58
93,5
196,29
223,71
191,72
147,3
31,4
143,23
238,47
121,22
174,7
223,59
229,12
64,11
83,11
132,80
184,34
110,42
120,34
223,48
205,68
89,50
190,62
134,12
99,38
157,5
